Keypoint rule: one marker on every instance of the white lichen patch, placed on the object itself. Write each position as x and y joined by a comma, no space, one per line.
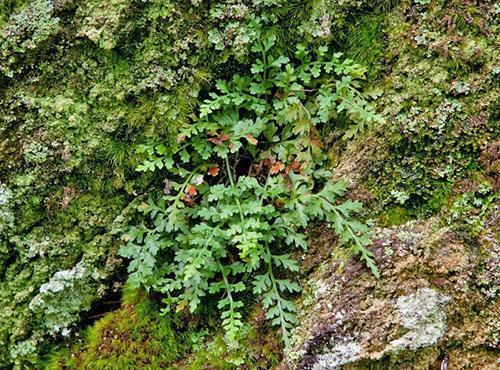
4,195
422,313
321,289
338,355
6,212
67,293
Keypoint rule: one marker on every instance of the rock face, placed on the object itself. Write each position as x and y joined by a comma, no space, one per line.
428,304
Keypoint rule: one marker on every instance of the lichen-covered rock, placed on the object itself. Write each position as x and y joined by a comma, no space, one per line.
426,304
422,314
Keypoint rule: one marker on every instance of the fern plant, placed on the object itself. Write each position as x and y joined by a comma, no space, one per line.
244,180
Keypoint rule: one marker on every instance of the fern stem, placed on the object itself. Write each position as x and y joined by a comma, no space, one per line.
366,254
226,284
183,187
261,202
276,292
237,200
264,61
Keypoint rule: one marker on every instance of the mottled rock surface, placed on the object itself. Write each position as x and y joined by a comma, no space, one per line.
430,302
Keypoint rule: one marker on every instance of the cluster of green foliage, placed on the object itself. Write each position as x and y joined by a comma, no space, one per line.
7,8
26,31
244,180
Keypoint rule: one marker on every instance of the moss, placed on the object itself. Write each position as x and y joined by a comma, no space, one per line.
136,336
435,119
9,7
259,348
365,42
395,216
133,337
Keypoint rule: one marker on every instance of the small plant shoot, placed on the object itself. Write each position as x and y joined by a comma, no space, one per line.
243,182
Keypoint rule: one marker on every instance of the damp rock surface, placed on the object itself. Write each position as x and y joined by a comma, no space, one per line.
426,305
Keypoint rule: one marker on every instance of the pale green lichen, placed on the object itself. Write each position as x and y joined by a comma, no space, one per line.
103,21
66,294
25,31
422,313
339,355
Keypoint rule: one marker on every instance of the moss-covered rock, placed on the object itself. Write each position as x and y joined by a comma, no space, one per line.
133,337
426,298
83,83
138,336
